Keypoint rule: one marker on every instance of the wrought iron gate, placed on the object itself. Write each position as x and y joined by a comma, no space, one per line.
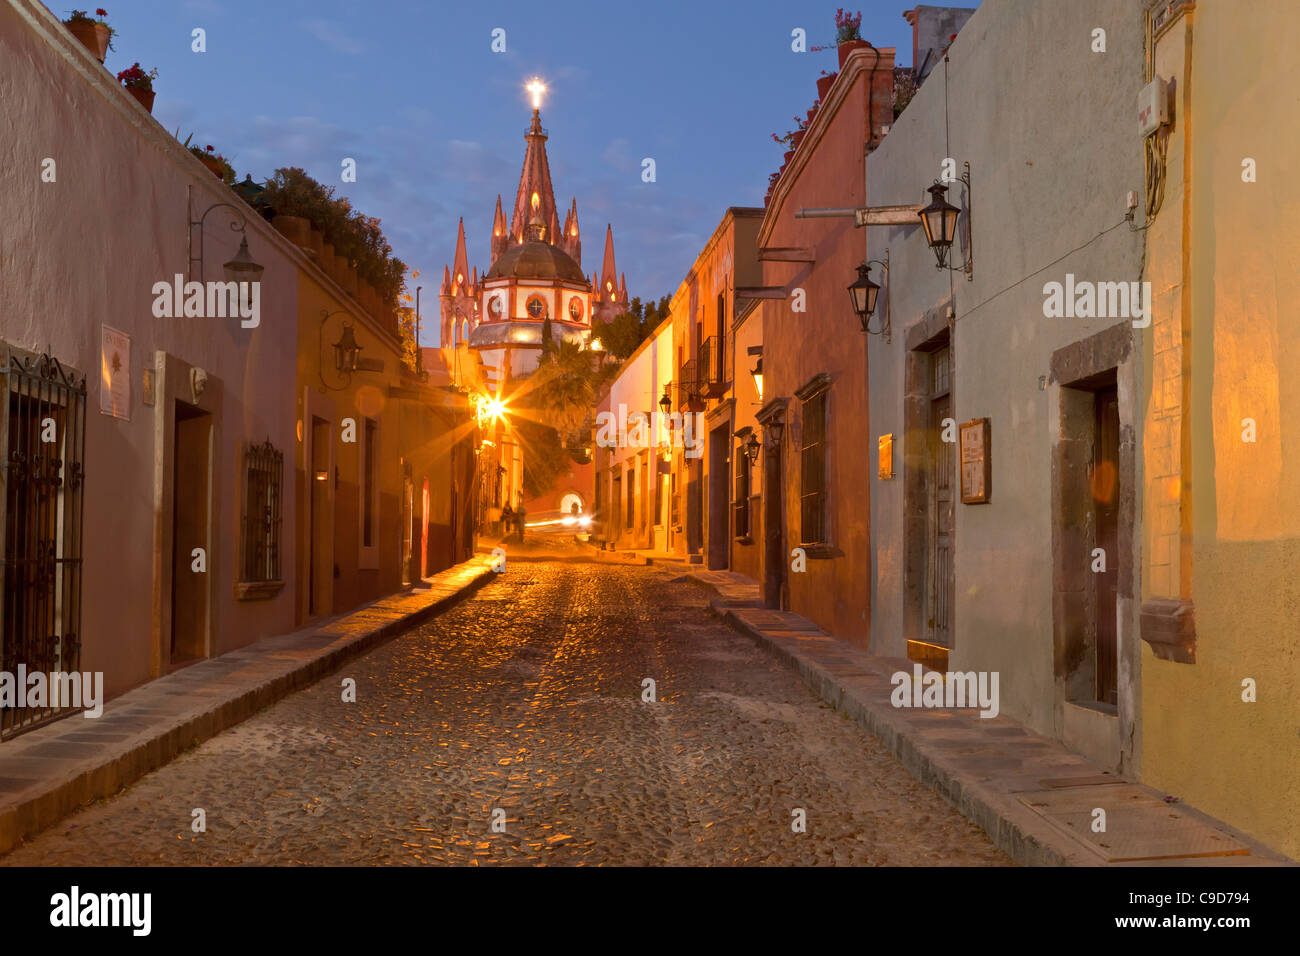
42,432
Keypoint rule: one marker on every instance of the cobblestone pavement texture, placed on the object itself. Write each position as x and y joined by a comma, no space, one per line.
527,699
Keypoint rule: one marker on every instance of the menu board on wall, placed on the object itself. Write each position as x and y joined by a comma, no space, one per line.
976,463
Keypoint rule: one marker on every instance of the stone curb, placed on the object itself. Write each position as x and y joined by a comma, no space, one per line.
117,763
1015,829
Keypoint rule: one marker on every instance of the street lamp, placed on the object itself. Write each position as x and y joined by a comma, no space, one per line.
666,402
757,370
243,268
752,448
347,353
863,293
940,222
775,426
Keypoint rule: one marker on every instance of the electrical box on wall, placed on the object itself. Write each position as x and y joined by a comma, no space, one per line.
1153,106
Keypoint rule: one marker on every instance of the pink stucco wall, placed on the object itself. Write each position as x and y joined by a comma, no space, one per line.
85,250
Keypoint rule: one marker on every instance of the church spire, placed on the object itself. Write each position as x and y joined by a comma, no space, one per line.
500,233
572,242
460,265
535,194
608,271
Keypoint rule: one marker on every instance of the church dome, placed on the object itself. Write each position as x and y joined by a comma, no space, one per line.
535,260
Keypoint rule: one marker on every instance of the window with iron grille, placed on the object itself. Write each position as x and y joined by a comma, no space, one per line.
812,471
741,507
43,436
263,493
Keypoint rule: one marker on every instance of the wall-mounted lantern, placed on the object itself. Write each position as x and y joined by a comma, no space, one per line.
775,426
752,448
347,354
242,268
757,370
346,350
939,219
865,293
666,402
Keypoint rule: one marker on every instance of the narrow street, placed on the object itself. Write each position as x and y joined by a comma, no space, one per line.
528,698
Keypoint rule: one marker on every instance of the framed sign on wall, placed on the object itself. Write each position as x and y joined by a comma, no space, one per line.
976,462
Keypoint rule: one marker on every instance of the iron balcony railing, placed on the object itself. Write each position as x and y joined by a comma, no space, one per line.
688,385
715,365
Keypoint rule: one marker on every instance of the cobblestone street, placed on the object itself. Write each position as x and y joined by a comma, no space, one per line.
527,698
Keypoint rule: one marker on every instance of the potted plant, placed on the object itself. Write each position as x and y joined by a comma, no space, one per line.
294,228
217,164
847,36
139,84
824,84
94,34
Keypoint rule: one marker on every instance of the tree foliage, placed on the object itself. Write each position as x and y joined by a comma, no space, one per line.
356,237
553,404
622,334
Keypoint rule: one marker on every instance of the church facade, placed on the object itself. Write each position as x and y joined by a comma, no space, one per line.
534,274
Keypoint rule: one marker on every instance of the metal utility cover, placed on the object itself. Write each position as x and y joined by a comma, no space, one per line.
1139,826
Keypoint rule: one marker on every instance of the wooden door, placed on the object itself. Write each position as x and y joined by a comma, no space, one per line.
942,581
1105,494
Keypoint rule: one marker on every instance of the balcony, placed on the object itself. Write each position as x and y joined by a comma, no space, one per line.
689,396
714,367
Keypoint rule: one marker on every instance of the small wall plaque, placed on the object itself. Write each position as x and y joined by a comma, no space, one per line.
885,445
115,373
976,462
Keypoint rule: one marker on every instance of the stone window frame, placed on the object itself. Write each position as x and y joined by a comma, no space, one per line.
743,478
817,388
1088,365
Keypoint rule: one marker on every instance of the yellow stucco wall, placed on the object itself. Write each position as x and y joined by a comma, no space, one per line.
1240,245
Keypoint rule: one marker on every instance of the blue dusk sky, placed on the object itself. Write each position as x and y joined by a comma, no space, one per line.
435,119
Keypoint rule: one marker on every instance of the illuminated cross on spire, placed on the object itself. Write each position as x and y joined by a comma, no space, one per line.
537,88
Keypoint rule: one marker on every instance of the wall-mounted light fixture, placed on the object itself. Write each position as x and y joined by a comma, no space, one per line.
347,354
242,268
757,370
864,294
666,402
752,448
939,219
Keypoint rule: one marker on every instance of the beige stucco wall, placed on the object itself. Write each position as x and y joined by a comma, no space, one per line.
364,573
1236,262
85,250
1047,127
638,388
